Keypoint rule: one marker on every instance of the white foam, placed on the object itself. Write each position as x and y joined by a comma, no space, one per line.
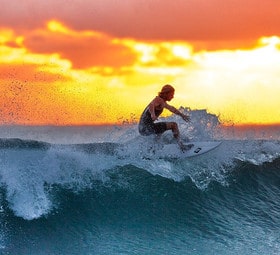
27,176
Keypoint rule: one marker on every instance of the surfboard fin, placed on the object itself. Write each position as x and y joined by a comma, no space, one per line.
197,150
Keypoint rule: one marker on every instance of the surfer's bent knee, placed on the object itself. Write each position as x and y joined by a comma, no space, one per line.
174,127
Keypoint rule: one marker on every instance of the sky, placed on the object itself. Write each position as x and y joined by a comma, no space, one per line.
75,62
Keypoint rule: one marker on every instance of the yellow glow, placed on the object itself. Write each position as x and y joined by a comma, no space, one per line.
147,52
56,26
19,56
153,52
242,86
182,51
6,35
160,70
19,40
270,41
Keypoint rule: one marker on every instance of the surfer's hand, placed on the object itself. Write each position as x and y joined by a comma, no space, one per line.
186,118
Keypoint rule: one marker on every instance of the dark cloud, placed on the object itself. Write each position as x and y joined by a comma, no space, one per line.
192,20
83,51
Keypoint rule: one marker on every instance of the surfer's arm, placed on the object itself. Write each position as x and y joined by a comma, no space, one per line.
177,112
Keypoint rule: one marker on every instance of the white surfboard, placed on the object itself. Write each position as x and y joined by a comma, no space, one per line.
174,152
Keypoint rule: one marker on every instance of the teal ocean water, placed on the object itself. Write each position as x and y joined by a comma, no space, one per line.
89,190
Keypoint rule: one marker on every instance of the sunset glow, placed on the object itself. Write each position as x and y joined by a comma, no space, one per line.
61,74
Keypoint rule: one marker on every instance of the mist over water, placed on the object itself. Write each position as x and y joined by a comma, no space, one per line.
89,190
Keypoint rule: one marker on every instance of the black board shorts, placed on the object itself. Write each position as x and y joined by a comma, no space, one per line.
153,128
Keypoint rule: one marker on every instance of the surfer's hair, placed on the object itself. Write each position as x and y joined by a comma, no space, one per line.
165,90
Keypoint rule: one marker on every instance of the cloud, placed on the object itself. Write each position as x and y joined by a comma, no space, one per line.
83,48
92,50
192,20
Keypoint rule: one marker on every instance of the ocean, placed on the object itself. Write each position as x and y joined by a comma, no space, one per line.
90,190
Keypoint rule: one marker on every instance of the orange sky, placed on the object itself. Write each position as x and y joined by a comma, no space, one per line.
90,62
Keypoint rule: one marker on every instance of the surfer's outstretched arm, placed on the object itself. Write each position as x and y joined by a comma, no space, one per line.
177,112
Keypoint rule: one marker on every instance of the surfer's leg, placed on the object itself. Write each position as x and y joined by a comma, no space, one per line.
174,127
175,130
161,127
146,129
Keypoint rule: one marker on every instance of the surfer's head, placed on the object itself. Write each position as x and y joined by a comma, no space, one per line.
167,92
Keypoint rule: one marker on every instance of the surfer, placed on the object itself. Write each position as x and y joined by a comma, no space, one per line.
147,125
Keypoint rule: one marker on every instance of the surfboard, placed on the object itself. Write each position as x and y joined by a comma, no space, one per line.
196,148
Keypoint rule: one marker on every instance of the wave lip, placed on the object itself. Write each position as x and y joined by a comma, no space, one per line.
29,169
23,175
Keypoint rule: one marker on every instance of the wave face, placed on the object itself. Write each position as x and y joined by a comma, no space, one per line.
108,197
86,199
